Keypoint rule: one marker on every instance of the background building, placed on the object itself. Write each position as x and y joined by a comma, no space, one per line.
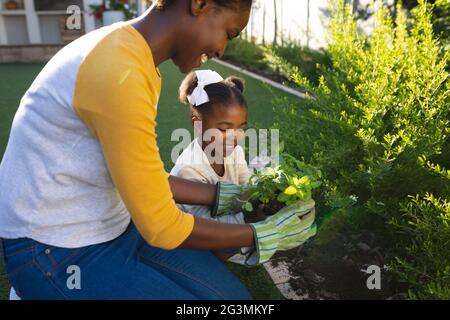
43,21
299,21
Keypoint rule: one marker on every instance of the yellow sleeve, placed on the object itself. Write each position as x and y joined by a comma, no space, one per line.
116,94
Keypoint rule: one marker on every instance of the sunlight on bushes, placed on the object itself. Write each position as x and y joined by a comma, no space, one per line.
380,108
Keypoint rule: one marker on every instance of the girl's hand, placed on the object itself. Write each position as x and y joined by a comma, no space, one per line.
229,198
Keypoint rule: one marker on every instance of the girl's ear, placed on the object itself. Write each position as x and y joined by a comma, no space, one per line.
197,124
199,7
195,119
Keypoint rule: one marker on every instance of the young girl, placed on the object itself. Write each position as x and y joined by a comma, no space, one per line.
219,116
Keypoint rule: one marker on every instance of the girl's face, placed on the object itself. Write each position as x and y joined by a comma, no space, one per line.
226,122
210,29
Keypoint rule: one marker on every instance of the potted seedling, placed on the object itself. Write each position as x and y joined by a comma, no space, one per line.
11,5
111,11
272,188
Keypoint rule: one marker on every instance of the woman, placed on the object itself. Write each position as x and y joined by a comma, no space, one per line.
82,161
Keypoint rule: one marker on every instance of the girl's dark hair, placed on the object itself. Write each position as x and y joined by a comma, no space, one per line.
222,93
161,4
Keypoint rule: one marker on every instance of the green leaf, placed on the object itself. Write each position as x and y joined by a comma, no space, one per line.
282,197
248,207
305,180
301,193
290,190
315,184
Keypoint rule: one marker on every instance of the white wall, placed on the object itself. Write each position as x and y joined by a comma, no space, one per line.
16,29
30,27
292,21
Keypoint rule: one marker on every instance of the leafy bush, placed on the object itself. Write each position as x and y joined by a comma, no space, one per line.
425,266
307,60
380,108
425,230
246,53
441,20
383,104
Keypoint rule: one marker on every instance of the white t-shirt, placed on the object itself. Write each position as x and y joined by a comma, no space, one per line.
193,164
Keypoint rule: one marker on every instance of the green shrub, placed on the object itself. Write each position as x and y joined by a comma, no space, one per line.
382,105
425,236
380,108
425,265
246,53
441,20
306,60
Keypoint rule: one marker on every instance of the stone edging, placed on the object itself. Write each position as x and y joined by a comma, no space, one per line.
280,276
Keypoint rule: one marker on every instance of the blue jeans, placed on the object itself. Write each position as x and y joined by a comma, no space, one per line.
124,268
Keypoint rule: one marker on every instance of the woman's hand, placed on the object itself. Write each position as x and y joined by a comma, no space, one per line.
229,198
287,229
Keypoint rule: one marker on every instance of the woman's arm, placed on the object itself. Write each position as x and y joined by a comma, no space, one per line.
212,235
208,234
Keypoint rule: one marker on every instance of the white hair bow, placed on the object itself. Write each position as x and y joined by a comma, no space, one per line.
204,78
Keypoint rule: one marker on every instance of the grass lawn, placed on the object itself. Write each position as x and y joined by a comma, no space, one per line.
16,78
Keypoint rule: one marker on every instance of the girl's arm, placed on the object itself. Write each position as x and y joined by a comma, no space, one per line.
190,192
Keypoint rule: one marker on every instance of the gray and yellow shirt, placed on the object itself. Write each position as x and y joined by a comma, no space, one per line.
82,156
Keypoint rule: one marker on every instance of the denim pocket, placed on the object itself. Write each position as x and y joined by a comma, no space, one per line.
12,247
50,258
18,255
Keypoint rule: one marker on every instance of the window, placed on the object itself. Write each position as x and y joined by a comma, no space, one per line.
51,5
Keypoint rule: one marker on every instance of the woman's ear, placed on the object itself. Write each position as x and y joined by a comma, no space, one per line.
199,7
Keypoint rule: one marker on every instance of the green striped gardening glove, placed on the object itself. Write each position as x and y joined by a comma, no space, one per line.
287,229
303,230
229,198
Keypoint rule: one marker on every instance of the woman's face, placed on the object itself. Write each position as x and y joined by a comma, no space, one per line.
211,27
228,123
